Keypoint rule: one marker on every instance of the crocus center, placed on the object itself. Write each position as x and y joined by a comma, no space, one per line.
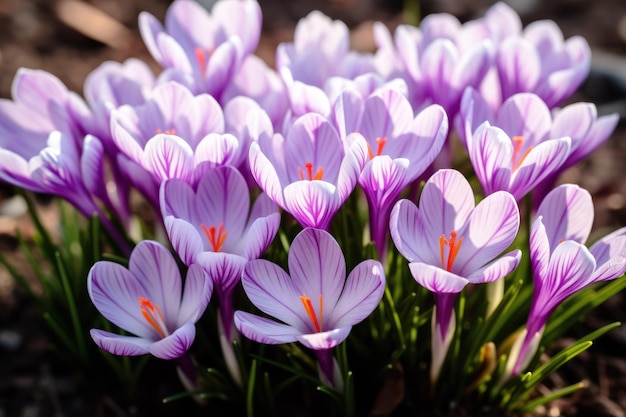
202,57
380,144
309,172
453,244
518,157
310,311
153,315
216,236
167,131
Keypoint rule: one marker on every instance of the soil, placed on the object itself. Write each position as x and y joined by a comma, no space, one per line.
67,40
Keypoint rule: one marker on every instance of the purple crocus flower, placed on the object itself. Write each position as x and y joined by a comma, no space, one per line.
214,227
316,305
561,264
175,134
308,173
147,300
449,243
522,148
200,49
400,146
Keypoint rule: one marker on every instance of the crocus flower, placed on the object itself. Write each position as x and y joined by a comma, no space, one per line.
401,146
214,227
449,243
200,49
561,264
308,173
147,300
520,146
175,134
326,42
315,303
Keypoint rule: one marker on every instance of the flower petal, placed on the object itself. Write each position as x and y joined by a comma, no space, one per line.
361,294
263,330
168,156
312,203
436,279
120,345
567,213
176,344
324,340
407,231
196,296
497,269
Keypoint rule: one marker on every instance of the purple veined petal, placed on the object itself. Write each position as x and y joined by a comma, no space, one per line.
383,179
263,206
567,213
387,114
150,27
35,90
324,340
126,142
525,115
223,268
120,345
312,203
438,63
347,111
155,269
306,98
242,19
176,344
92,166
497,269
352,165
221,66
114,291
168,156
562,83
247,120
574,121
17,171
519,66
184,237
472,66
491,154
263,330
610,255
204,115
318,270
215,205
172,54
363,291
437,280
184,19
407,38
140,178
407,233
216,150
260,235
176,199
539,249
265,174
570,269
430,129
273,292
312,139
473,111
543,160
446,202
491,228
196,296
596,136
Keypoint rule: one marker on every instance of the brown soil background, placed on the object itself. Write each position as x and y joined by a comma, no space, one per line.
70,38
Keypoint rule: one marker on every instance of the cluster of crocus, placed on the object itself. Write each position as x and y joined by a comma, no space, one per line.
219,128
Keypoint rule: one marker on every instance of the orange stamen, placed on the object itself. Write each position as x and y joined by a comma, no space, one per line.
453,246
216,241
380,144
201,59
153,315
310,311
309,171
518,142
167,131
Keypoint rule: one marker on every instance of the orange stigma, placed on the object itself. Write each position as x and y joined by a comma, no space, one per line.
453,250
380,144
216,241
202,57
518,142
309,171
167,131
308,307
153,315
